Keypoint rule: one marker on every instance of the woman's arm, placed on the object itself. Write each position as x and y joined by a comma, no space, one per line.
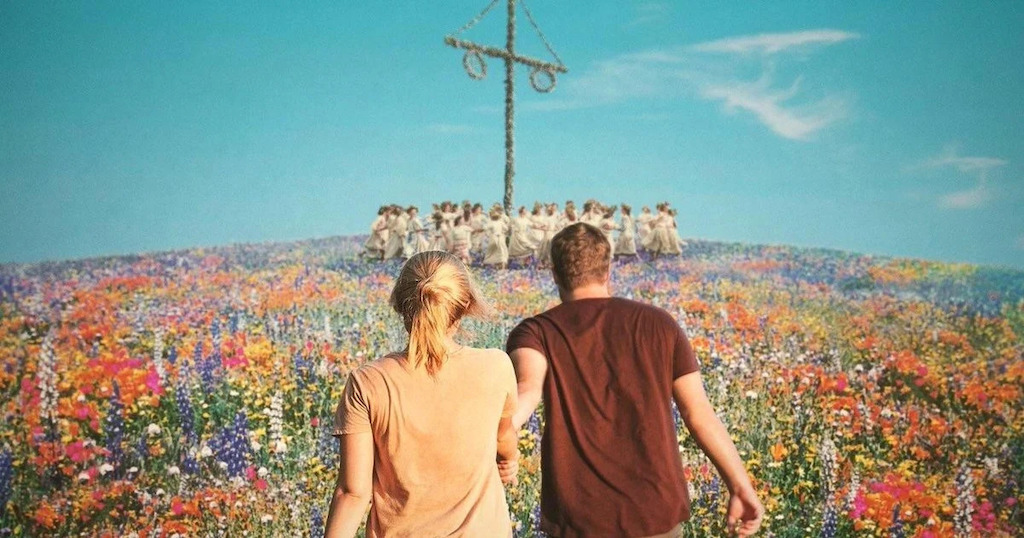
508,451
354,488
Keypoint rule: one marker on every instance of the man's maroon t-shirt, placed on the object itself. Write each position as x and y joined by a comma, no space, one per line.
610,461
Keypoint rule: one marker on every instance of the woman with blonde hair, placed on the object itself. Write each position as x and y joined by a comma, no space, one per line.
417,427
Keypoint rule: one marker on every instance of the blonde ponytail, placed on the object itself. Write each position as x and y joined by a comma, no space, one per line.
432,293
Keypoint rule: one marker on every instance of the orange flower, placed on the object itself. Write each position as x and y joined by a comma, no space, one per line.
779,451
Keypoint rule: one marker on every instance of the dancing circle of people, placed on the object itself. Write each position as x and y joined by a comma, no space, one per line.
494,238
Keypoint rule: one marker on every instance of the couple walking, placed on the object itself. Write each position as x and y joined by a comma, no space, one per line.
429,434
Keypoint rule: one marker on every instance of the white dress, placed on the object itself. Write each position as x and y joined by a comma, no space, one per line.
396,240
520,243
375,243
439,237
462,235
659,241
644,221
477,223
417,241
497,250
626,244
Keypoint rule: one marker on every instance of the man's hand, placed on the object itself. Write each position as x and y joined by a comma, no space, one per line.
744,514
508,470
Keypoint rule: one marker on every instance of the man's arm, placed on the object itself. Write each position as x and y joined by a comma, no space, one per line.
745,510
531,367
354,488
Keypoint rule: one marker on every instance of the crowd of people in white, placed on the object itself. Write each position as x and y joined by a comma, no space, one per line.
496,237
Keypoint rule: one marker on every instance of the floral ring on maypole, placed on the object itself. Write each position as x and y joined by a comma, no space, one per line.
477,71
536,82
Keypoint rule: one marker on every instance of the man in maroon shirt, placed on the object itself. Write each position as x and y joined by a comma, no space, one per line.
608,369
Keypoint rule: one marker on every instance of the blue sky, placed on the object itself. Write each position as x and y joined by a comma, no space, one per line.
891,128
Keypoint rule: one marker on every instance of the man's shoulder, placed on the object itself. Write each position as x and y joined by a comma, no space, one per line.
638,306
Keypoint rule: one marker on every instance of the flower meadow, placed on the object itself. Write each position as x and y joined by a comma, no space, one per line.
191,393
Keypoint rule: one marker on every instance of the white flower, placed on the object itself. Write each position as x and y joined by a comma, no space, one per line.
205,452
223,465
262,472
280,447
267,518
153,430
173,470
132,470
106,468
751,395
160,492
256,445
83,477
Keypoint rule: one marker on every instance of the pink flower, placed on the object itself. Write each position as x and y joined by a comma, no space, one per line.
860,505
153,381
76,451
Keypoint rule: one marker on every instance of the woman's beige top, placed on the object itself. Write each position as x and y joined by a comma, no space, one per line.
435,442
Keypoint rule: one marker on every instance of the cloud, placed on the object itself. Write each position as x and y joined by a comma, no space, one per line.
774,43
976,167
967,199
648,13
963,164
769,106
1020,242
713,71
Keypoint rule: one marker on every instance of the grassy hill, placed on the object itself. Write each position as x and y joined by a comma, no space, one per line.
192,391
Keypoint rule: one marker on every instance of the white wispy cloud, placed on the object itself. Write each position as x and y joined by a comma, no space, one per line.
967,199
774,43
976,167
648,13
770,107
712,71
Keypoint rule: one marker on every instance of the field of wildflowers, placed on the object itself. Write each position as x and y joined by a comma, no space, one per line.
191,392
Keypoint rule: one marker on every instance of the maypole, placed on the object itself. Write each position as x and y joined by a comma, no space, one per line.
476,68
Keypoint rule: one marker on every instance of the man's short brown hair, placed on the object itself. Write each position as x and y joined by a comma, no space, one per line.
580,255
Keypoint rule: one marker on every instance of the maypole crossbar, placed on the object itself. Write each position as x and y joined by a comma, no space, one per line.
476,67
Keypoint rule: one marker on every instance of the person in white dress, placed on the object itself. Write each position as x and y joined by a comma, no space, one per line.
625,245
477,220
658,241
589,216
608,226
440,233
521,243
643,221
417,241
497,250
397,229
374,246
540,233
676,241
462,237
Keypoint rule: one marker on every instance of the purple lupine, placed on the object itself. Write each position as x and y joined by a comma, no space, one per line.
232,445
829,522
316,524
6,480
172,355
896,531
535,522
114,429
677,418
186,415
216,337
